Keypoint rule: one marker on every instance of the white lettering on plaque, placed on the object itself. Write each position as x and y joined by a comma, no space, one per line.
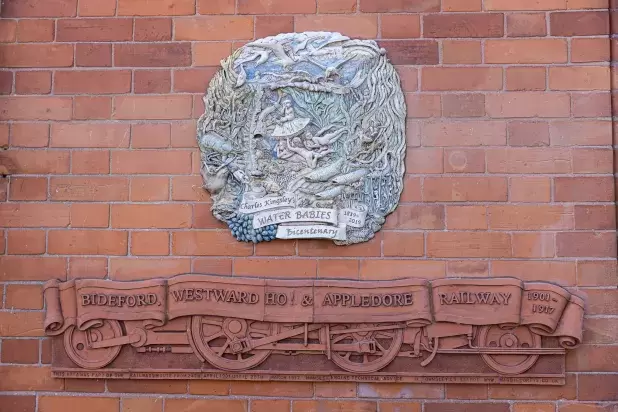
266,203
311,232
272,217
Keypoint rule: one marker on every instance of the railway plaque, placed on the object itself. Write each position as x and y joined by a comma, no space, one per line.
496,330
303,136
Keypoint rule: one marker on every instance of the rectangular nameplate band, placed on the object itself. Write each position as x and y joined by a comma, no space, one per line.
311,232
266,203
352,217
274,217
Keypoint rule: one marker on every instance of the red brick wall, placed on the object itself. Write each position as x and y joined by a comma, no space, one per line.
510,172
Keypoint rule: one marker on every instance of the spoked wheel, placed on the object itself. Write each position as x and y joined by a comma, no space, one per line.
518,338
76,344
387,344
221,341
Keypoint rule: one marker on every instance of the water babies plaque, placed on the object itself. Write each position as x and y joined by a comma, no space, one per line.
303,136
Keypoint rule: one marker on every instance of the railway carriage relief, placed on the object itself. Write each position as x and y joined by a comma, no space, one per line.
303,136
490,330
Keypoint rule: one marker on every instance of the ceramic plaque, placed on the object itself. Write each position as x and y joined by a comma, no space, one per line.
490,330
303,136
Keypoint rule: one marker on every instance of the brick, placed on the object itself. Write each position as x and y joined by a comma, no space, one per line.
150,243
147,386
462,5
40,8
336,6
26,242
533,245
464,161
87,267
382,6
142,405
91,404
92,82
208,243
36,162
212,266
23,297
159,8
466,391
153,29
408,217
34,215
527,104
461,52
209,387
95,29
403,244
189,188
422,105
89,215
339,269
96,8
400,391
424,160
601,330
152,81
591,104
90,162
92,107
592,160
193,80
526,51
8,31
46,351
90,189
463,25
89,135
216,7
596,273
591,358
464,189
601,217
360,26
597,387
276,248
531,217
534,407
413,132
579,78
467,407
602,301
587,50
28,188
400,26
523,133
466,217
555,271
152,107
153,55
38,82
149,189
582,244
6,82
32,268
529,160
279,405
530,189
468,244
583,189
93,55
587,4
151,216
526,25
414,52
150,135
272,267
461,78
29,378
147,268
35,30
205,405
339,406
276,7
214,28
408,77
580,23
151,162
87,242
463,105
210,54
464,133
84,385
35,108
277,389
525,5
525,78
17,403
467,268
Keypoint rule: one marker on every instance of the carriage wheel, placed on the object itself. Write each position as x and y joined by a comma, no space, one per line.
388,343
518,338
76,344
217,339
